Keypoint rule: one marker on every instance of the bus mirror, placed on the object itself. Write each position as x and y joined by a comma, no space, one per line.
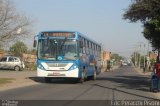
81,44
34,43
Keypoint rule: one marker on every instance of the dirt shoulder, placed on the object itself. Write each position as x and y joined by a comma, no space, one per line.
21,79
140,71
147,74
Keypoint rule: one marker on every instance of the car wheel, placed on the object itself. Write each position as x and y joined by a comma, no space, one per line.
17,68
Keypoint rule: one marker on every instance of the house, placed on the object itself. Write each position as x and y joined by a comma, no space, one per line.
105,57
2,53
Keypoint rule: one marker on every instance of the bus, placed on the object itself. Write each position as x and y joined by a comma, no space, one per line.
67,54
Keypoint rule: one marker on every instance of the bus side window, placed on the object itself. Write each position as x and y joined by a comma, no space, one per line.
80,46
84,46
87,47
93,49
96,50
90,50
99,50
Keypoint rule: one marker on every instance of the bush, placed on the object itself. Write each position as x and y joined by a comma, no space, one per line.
30,66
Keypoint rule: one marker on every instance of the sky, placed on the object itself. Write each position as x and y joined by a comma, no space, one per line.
100,20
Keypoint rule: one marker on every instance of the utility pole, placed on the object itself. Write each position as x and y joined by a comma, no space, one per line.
136,55
148,59
139,56
139,59
144,57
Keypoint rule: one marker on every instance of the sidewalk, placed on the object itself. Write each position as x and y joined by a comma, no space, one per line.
140,71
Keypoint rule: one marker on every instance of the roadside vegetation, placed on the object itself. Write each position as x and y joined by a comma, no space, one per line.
14,27
13,24
6,80
30,67
146,12
18,49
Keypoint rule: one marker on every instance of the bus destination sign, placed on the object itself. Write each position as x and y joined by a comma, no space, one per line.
59,34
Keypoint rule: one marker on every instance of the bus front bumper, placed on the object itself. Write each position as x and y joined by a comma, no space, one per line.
58,74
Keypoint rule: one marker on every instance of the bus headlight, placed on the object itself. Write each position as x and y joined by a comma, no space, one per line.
73,67
41,67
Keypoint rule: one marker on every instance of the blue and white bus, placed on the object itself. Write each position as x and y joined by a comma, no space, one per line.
67,54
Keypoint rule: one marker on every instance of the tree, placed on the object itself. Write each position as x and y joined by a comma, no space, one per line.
143,10
18,49
32,51
152,32
148,12
116,57
12,24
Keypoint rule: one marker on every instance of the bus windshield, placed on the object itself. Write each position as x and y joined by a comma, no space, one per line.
52,49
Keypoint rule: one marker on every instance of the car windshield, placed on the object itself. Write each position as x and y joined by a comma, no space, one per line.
57,49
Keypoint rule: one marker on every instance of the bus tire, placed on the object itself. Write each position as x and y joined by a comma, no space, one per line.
48,80
82,79
94,76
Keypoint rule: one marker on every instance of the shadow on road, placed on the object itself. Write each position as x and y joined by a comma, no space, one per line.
54,81
6,70
130,82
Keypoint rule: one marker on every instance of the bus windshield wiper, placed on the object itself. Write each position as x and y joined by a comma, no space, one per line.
63,42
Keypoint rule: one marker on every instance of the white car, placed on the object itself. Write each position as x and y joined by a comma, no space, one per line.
11,62
124,63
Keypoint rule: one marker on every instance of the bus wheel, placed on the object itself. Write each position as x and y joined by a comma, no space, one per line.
82,79
48,80
94,76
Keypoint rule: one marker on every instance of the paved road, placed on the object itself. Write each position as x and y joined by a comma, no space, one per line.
121,84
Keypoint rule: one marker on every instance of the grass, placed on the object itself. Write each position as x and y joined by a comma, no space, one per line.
6,80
